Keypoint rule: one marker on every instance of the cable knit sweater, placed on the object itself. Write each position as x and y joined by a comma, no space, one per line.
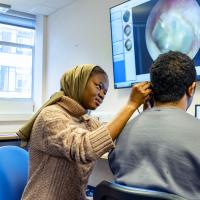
64,145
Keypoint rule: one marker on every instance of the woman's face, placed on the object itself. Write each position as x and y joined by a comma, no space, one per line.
95,91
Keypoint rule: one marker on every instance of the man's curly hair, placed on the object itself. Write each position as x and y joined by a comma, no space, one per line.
171,74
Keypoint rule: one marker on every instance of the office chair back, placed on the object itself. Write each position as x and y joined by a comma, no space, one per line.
13,172
112,191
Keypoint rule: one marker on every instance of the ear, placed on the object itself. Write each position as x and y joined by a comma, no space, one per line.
191,89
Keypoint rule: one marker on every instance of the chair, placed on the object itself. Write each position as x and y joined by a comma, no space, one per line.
112,191
13,172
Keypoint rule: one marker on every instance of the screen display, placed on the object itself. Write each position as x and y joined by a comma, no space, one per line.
197,111
143,29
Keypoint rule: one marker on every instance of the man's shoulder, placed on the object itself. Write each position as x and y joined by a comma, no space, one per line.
188,118
167,117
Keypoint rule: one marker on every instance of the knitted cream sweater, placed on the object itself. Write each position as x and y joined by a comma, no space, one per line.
64,145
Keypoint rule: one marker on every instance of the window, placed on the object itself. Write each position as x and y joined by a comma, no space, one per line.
17,36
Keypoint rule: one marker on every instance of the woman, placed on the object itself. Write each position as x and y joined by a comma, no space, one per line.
65,142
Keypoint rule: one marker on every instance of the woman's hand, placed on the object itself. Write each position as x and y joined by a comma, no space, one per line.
139,94
149,103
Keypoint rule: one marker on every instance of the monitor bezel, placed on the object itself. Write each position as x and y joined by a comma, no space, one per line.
197,106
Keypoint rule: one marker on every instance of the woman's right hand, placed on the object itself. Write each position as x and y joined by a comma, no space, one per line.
139,94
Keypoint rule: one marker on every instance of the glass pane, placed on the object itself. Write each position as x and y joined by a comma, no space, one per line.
16,34
15,72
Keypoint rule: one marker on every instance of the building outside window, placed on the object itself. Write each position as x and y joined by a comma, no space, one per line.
17,36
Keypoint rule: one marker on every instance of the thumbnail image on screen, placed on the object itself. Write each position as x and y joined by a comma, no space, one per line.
143,29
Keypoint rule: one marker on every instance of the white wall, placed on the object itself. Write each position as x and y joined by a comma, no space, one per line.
78,34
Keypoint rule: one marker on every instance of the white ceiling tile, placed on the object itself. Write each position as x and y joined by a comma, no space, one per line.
58,3
43,7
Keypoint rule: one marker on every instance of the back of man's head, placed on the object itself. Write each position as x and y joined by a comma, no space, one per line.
171,75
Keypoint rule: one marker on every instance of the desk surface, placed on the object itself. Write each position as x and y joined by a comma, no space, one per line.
8,136
105,156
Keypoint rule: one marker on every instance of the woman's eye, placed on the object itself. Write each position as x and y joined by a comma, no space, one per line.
98,86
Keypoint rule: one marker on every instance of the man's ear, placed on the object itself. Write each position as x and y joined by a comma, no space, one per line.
191,89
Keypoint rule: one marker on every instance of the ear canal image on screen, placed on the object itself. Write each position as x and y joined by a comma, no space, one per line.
173,25
141,30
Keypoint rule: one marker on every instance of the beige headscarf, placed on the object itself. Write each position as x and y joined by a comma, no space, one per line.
72,84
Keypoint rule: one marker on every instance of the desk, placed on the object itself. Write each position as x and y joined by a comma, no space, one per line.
101,171
8,136
105,156
9,139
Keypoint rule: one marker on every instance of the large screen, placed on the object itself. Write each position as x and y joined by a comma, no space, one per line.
143,29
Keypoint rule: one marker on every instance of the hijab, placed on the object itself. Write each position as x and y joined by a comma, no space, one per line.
72,84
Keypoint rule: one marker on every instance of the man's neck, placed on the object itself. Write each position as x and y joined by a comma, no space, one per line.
181,104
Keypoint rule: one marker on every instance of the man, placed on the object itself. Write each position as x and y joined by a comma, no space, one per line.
160,148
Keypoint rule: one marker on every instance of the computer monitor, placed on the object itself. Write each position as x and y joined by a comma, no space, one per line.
197,111
143,29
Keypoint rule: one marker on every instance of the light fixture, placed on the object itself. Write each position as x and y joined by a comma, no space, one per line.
4,7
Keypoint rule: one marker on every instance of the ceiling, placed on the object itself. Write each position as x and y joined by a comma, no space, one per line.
37,7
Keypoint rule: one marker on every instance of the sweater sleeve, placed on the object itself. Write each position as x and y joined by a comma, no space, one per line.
59,135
